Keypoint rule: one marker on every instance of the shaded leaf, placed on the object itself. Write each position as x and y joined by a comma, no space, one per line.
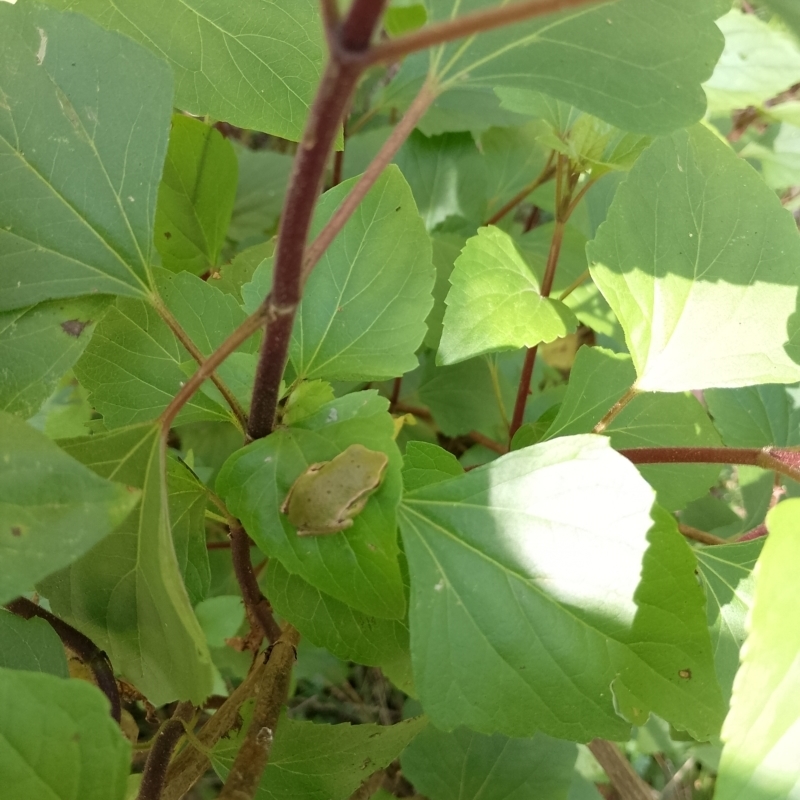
497,589
38,344
57,740
761,733
424,464
195,198
31,644
128,594
494,303
464,765
81,151
690,285
256,63
52,509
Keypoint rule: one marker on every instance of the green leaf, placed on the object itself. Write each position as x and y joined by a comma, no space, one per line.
544,567
494,303
81,149
255,64
128,593
446,249
31,644
38,345
404,17
357,566
326,622
240,271
306,399
52,509
780,165
788,11
446,175
756,416
263,176
464,765
374,280
727,572
66,413
132,368
195,199
759,61
698,260
58,741
220,618
761,733
321,762
598,379
637,64
425,464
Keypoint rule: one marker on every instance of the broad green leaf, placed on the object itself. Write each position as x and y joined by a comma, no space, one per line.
494,303
727,572
240,271
255,63
446,175
220,618
759,61
446,249
52,509
31,644
637,64
321,762
38,344
306,399
58,741
357,566
788,11
128,593
263,176
464,765
761,732
699,262
424,464
132,368
544,567
597,380
81,151
364,307
326,622
472,395
195,198
756,416
780,165
66,413
404,16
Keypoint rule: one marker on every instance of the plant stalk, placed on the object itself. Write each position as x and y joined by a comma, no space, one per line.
612,412
167,738
620,772
547,173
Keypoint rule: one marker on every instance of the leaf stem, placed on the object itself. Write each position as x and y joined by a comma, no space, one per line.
241,334
620,772
547,173
167,738
466,25
194,352
614,410
253,755
696,535
257,606
401,132
579,281
351,38
88,652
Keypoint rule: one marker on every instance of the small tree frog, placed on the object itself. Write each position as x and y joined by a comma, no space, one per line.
327,496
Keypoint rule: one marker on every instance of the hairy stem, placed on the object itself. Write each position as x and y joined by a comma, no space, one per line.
167,738
547,173
206,369
342,72
401,132
622,775
88,652
194,352
466,25
614,410
253,755
257,606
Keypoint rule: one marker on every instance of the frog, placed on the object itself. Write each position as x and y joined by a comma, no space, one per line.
327,497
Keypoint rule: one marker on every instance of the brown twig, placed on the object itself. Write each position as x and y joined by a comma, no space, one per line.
167,738
620,772
466,25
257,606
395,398
547,173
338,83
487,442
253,755
86,650
697,535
